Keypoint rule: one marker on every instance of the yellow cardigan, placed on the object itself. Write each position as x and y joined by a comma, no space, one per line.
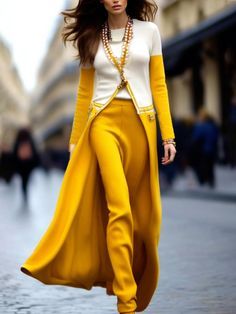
158,89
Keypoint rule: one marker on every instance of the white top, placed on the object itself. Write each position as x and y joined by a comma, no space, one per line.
146,42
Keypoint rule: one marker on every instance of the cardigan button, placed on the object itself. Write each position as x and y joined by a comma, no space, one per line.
151,116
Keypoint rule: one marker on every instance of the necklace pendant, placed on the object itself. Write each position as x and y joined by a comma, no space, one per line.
123,78
123,82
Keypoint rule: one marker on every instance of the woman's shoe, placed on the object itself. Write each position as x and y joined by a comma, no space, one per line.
109,289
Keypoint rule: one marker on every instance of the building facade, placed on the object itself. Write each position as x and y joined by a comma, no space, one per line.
14,102
53,100
199,51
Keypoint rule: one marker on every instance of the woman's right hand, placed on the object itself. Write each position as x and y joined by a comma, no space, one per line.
71,148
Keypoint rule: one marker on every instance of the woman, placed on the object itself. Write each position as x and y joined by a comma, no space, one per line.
106,226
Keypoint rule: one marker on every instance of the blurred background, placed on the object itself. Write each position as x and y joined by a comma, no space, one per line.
38,81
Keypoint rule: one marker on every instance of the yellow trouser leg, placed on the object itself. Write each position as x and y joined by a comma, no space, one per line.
120,223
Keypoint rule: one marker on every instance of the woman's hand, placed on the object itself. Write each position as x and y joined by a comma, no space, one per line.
169,154
72,147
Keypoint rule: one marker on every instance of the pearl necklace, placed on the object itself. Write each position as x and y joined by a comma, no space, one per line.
128,35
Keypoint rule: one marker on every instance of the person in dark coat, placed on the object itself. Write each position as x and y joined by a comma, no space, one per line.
232,133
26,158
204,147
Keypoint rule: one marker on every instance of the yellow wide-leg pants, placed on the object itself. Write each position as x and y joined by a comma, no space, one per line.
120,144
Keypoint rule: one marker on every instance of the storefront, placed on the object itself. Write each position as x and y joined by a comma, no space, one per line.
201,71
208,51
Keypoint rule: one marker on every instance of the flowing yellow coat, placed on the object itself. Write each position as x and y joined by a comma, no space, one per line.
73,249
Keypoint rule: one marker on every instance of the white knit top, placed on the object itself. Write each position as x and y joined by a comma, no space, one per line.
146,41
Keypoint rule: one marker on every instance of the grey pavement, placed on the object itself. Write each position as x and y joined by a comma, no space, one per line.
197,256
225,188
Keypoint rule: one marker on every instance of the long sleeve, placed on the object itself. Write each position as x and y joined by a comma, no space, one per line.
158,86
84,97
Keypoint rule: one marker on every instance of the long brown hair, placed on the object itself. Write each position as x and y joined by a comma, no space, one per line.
89,15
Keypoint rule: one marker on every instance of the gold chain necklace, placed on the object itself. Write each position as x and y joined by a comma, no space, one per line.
128,35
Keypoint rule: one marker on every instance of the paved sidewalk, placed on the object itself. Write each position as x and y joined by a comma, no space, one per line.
225,189
197,257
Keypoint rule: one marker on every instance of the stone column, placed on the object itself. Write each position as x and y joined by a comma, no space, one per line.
212,99
180,93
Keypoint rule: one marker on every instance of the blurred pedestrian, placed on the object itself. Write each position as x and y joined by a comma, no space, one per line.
26,158
204,147
232,132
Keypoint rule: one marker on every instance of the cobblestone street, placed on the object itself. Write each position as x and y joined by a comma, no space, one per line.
197,256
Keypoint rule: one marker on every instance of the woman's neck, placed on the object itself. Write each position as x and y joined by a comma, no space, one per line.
117,21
